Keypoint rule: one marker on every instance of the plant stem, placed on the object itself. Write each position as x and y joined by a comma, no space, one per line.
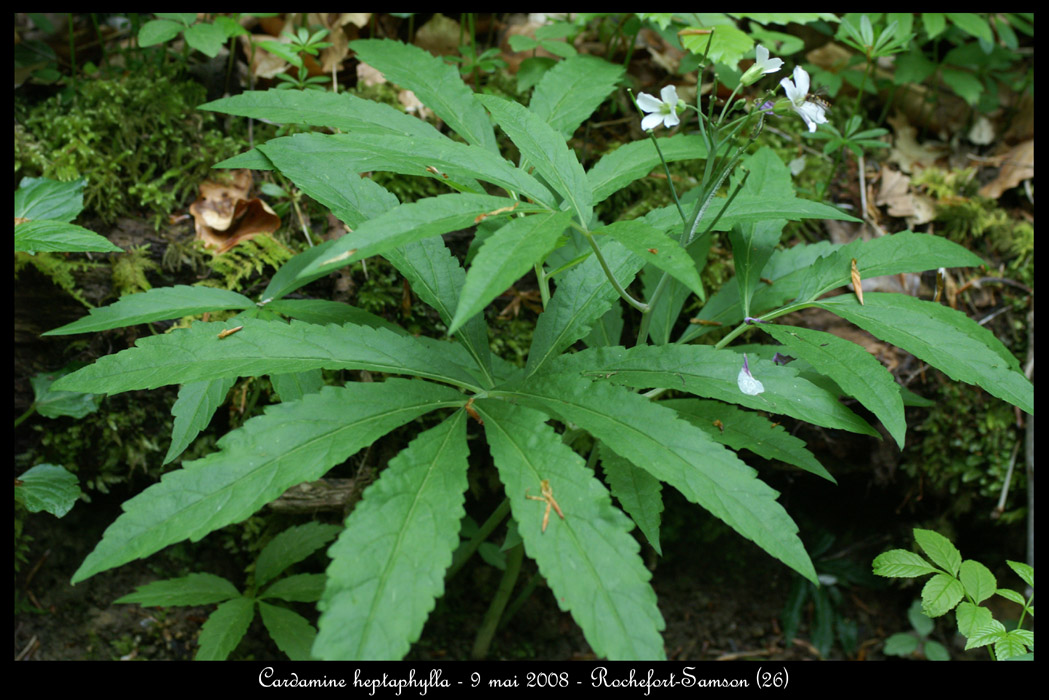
495,609
463,554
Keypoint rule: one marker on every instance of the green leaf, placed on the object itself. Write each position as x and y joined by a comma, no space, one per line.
54,404
939,549
42,198
434,82
546,150
289,277
972,617
1011,645
583,296
900,563
741,429
298,588
637,491
407,223
195,589
504,257
901,644
1024,571
569,92
978,580
206,38
343,111
261,347
947,339
193,410
44,236
940,594
223,631
888,255
641,239
289,444
704,371
752,246
292,386
637,159
290,547
48,487
388,565
655,439
855,370
158,304
292,632
748,208
588,558
323,311
158,31
972,24
989,633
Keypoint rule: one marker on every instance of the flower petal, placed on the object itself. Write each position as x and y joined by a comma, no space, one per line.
671,120
648,103
669,95
651,121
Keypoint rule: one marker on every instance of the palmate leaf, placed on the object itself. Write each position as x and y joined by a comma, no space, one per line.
388,564
655,439
434,82
158,304
704,371
741,429
546,150
583,296
637,159
406,223
320,108
569,92
262,347
888,255
504,257
659,249
588,558
855,370
289,444
946,339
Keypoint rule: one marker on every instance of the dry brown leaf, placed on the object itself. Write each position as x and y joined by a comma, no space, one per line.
1017,166
906,152
895,192
224,217
368,76
440,36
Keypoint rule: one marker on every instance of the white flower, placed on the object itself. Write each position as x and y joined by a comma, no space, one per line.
747,383
798,92
763,65
664,110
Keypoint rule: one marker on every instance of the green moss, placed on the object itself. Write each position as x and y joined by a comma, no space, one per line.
129,271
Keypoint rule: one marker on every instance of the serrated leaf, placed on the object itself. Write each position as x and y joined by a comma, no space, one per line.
292,632
637,491
988,633
206,38
588,558
1011,645
939,549
323,311
193,409
48,487
407,223
55,404
158,304
43,198
290,547
637,159
195,589
388,565
298,588
899,563
546,150
741,429
642,239
289,444
940,594
947,339
583,296
504,257
292,386
341,110
569,92
158,31
888,255
261,347
434,82
224,629
855,370
1024,571
655,439
748,209
44,236
978,580
710,373
752,246
972,617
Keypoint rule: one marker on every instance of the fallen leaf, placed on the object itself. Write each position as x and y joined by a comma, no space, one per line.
224,216
1017,166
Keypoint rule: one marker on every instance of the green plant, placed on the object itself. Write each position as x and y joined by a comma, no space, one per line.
227,625
204,36
299,43
916,643
964,584
389,562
